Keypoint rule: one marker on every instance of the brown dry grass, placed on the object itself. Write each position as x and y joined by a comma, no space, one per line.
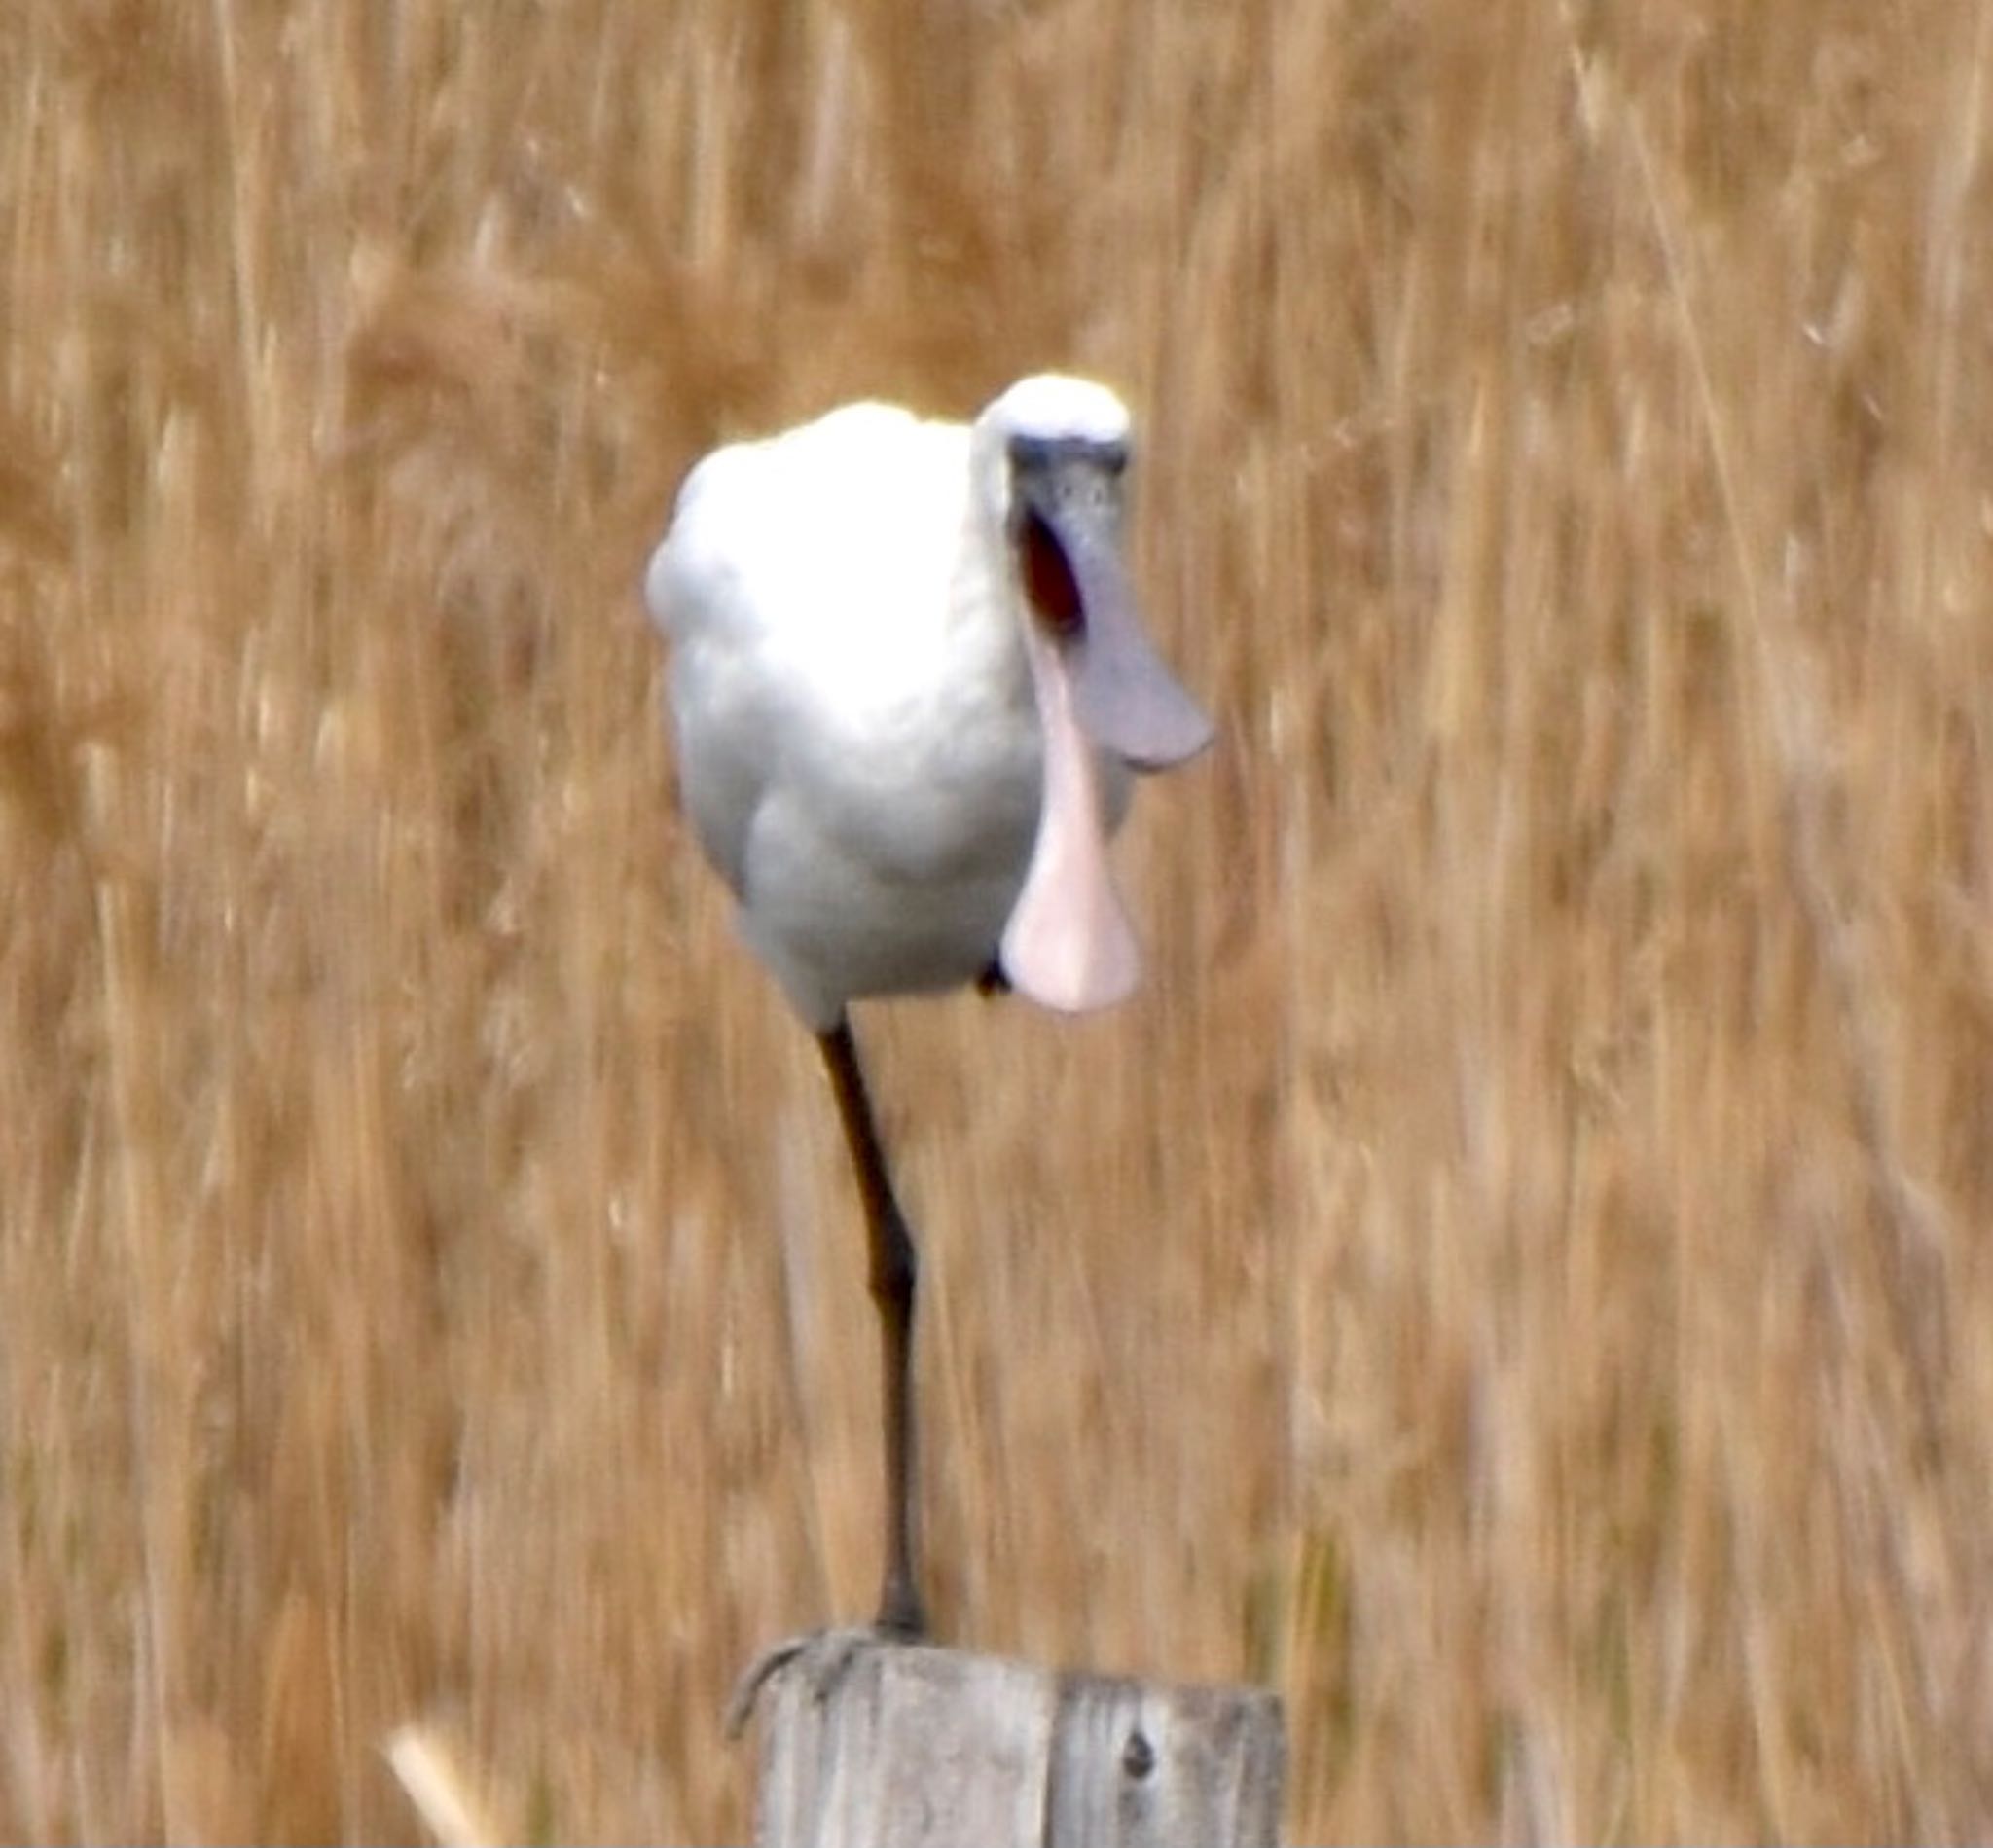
1518,1279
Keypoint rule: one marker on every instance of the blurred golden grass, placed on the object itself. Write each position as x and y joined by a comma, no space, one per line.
1517,1281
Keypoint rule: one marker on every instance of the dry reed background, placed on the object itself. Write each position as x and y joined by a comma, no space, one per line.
1517,1280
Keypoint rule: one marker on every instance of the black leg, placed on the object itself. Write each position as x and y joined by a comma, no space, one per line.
893,1268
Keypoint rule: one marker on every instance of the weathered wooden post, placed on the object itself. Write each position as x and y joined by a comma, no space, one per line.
867,1743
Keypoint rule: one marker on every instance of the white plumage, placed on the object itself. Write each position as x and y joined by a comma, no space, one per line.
861,741
910,683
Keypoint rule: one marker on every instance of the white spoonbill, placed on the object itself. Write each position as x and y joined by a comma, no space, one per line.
910,682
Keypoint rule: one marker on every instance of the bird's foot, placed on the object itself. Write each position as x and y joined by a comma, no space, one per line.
824,1657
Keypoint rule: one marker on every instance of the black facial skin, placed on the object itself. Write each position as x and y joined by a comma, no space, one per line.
1047,454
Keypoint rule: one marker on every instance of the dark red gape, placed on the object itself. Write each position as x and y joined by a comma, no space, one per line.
1048,579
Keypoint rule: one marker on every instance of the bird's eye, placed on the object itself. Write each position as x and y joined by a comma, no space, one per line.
1045,455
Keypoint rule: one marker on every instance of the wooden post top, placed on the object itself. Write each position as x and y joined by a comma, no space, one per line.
867,1743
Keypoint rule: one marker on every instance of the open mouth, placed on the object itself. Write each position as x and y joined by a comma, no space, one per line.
1048,578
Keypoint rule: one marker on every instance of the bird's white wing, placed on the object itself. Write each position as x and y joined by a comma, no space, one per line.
711,591
803,587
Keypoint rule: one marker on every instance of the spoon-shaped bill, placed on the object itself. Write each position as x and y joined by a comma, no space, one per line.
1068,944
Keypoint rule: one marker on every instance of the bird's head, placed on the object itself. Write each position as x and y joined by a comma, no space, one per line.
1055,454
1052,455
